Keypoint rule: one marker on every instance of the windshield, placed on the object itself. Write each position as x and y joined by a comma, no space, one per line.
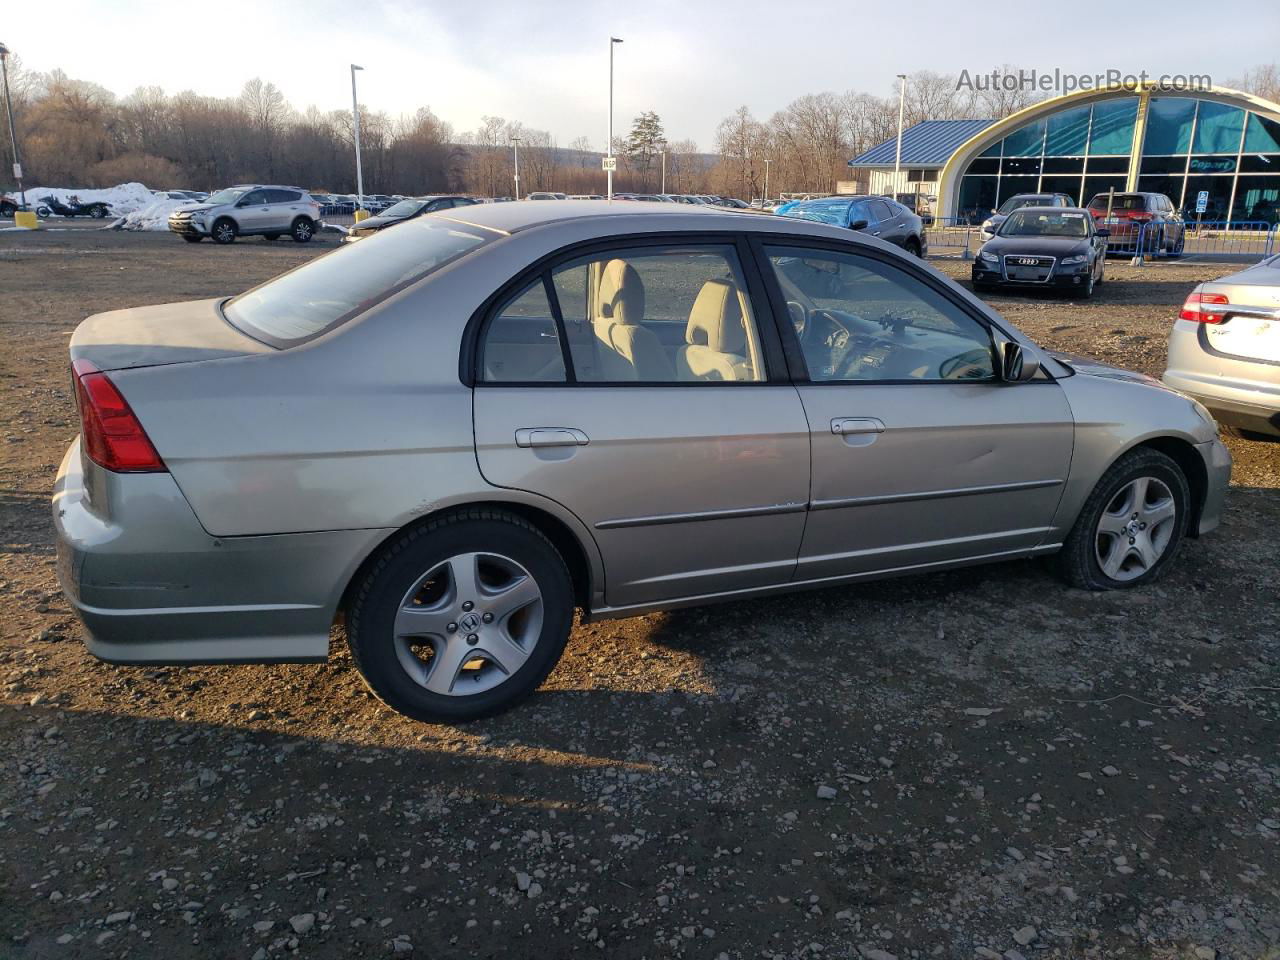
1013,203
1027,223
404,208
229,195
1119,201
328,291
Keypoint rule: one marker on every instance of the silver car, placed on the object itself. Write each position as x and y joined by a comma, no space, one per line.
456,432
1224,350
249,210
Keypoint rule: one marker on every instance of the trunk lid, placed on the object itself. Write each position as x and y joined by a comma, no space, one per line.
162,334
1251,330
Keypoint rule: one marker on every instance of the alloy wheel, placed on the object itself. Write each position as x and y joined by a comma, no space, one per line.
1135,529
468,624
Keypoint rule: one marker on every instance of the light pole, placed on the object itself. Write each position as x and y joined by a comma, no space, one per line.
765,198
355,113
515,147
663,153
13,136
609,148
897,157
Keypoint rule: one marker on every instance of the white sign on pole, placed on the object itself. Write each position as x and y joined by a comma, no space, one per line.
1202,201
608,163
17,171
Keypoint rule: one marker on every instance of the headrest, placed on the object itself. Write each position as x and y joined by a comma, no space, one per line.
621,293
716,319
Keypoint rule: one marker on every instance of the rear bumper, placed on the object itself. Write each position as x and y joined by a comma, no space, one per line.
151,586
1239,392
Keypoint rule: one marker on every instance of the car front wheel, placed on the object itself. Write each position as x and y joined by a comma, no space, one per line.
224,231
302,230
461,618
1131,525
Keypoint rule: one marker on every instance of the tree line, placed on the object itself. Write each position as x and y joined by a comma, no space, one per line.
77,133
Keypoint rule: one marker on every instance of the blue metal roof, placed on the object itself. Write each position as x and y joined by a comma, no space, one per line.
928,143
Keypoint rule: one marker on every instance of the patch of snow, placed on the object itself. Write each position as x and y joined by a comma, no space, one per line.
154,216
124,198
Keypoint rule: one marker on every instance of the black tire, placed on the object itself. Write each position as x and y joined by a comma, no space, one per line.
224,231
43,212
1102,269
303,230
192,237
8,209
1078,560
1177,248
912,246
1085,292
404,560
271,236
97,211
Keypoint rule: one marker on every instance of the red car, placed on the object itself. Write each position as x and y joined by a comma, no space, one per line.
1149,215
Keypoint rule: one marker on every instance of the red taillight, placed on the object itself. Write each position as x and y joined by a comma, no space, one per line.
113,437
1194,308
1141,217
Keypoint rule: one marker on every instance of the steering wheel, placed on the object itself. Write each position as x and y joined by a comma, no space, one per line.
970,365
836,333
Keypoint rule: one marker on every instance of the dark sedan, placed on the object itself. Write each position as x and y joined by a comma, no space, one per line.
878,216
1056,247
402,211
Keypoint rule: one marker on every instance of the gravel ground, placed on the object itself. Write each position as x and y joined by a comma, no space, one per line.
982,763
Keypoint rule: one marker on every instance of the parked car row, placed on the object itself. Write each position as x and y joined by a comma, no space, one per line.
877,216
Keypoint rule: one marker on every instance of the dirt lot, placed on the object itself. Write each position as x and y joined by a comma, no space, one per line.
977,764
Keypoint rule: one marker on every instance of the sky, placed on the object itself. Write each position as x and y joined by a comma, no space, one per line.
547,64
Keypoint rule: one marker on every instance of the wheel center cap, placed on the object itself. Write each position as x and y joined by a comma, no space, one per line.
470,622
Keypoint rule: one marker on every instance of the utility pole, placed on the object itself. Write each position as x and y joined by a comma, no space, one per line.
609,148
765,198
13,136
515,146
355,112
664,167
897,159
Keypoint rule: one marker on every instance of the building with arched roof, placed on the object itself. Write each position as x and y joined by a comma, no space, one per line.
1179,143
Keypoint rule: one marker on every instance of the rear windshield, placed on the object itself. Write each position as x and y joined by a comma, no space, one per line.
1013,203
1121,201
330,290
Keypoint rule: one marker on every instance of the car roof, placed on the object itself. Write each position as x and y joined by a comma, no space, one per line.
639,217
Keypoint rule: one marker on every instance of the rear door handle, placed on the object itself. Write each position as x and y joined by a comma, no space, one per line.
851,426
550,437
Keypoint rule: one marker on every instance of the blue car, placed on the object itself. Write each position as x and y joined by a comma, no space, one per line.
878,216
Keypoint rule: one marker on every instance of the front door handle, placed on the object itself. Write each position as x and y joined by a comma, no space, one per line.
851,426
550,437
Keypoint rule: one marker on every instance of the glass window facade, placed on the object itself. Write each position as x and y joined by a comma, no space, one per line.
1189,145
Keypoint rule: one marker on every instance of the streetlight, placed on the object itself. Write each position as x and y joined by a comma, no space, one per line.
765,199
13,136
897,158
515,146
609,168
355,112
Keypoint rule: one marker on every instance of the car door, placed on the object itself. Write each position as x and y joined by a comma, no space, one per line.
282,207
657,410
921,455
889,226
252,211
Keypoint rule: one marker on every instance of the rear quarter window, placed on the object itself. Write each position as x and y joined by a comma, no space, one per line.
327,292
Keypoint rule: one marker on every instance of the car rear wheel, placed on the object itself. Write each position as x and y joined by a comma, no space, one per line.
461,618
1131,526
224,231
912,246
302,230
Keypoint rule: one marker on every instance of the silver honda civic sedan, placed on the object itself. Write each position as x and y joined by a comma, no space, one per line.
455,433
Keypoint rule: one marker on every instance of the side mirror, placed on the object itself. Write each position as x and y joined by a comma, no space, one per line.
1016,364
858,225
1104,233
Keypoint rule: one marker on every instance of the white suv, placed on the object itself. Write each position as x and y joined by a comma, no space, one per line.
249,210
